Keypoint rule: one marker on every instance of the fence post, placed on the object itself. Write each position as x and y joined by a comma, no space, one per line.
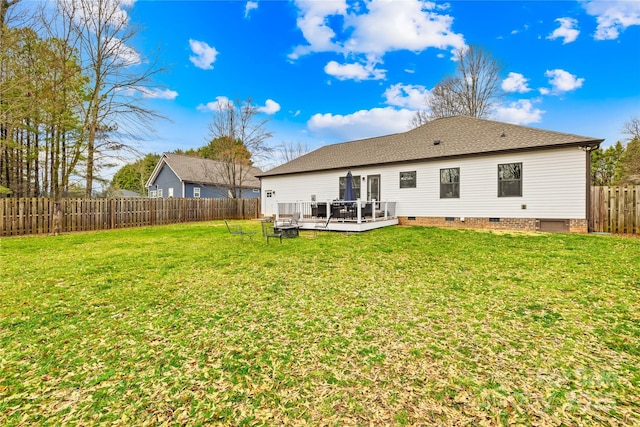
112,214
2,215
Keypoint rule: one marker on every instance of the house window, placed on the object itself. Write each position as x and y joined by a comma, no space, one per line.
196,192
450,183
408,179
153,194
269,193
510,180
170,192
355,181
160,193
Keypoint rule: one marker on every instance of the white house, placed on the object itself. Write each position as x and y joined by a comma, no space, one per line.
452,172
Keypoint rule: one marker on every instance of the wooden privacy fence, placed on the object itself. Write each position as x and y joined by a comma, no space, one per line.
615,209
37,215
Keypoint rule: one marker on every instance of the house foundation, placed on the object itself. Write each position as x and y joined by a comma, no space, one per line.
519,224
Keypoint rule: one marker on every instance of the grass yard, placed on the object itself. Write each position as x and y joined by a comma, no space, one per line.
188,325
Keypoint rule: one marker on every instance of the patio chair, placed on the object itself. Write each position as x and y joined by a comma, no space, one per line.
290,221
269,231
238,231
367,210
319,211
322,226
297,216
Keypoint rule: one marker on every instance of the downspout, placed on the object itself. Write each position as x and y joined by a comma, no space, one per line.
588,149
588,198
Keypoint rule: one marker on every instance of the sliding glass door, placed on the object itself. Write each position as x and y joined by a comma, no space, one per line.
373,187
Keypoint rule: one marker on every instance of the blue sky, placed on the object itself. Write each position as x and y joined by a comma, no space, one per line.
332,71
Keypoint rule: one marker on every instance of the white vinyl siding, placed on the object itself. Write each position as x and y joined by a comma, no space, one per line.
554,186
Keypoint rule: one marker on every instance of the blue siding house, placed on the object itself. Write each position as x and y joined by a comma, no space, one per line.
176,175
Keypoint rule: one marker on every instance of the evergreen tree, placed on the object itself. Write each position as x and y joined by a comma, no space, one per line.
605,163
629,166
133,176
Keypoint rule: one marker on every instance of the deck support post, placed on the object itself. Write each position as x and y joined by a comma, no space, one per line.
373,210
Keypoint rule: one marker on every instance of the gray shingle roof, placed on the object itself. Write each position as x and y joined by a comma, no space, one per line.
458,136
206,171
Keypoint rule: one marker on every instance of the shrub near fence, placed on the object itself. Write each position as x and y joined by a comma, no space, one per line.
35,215
615,209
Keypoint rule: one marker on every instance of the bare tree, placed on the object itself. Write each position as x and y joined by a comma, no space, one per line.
4,9
292,150
113,112
628,171
632,128
473,91
420,118
240,138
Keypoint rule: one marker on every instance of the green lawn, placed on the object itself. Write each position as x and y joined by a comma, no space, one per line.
188,325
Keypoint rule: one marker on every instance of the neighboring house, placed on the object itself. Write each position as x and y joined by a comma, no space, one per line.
119,193
186,176
455,172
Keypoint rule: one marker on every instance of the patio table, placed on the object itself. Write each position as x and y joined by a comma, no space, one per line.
289,231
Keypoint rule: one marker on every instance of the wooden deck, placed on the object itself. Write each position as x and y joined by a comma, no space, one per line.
349,216
347,225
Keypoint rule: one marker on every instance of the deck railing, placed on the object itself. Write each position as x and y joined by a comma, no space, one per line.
340,210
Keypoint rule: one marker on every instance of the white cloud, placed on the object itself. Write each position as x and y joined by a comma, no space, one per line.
613,17
155,93
408,25
361,124
125,55
313,21
566,31
524,28
520,112
204,55
251,5
357,71
88,11
515,82
91,15
270,107
221,103
563,81
150,93
383,26
406,96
